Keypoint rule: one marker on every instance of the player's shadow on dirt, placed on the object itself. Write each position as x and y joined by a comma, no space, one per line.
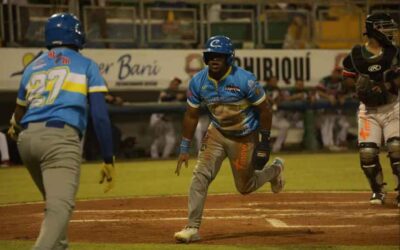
263,234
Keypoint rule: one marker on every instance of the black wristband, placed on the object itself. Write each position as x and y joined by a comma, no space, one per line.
265,134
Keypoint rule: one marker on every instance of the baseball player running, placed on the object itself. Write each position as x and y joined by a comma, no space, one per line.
375,68
240,130
52,112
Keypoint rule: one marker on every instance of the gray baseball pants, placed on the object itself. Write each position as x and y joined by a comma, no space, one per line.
375,122
215,148
53,158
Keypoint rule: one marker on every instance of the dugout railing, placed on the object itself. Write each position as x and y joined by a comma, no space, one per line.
187,24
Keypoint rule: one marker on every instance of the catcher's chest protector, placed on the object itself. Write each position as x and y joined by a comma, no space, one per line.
374,74
374,67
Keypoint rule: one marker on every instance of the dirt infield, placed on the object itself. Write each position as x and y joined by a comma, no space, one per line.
257,219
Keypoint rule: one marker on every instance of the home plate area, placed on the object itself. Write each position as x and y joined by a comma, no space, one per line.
257,219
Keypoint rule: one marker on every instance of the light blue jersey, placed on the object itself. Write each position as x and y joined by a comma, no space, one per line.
230,101
55,87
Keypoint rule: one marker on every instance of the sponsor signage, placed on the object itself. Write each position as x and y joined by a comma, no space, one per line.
153,68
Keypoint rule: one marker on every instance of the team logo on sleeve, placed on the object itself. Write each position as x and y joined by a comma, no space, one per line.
251,84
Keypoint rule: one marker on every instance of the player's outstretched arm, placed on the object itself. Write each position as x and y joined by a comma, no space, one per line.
102,127
190,121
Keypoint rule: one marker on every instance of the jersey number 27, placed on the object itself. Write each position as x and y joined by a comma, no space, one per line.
44,86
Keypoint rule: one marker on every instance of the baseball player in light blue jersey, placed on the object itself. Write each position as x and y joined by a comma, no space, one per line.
50,118
240,130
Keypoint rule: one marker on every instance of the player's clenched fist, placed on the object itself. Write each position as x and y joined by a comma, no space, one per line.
14,129
107,175
13,132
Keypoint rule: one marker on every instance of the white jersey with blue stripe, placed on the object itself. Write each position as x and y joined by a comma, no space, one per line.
230,101
55,87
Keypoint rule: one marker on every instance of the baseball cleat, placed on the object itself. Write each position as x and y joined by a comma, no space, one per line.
377,198
278,183
188,234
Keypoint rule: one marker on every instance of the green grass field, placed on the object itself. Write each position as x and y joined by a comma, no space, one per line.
303,172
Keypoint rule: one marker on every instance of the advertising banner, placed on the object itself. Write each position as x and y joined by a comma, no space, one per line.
130,69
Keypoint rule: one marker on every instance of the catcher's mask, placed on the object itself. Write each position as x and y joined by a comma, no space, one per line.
383,28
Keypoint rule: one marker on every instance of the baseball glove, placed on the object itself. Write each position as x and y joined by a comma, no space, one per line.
371,93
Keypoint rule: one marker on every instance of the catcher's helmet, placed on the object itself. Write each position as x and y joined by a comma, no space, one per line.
220,45
64,29
381,27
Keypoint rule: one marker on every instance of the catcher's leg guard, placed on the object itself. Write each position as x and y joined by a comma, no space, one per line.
393,145
369,159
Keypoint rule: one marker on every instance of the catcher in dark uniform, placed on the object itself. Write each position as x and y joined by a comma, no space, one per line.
375,68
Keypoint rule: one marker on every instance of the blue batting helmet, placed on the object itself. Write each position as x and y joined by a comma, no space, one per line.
220,45
64,29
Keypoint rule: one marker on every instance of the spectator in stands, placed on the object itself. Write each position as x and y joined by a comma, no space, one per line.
332,119
174,31
214,11
5,156
279,121
297,36
99,16
170,27
162,125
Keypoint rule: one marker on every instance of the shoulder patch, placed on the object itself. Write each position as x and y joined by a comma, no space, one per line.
251,83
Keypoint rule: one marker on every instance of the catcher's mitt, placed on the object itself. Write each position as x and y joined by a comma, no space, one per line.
371,93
